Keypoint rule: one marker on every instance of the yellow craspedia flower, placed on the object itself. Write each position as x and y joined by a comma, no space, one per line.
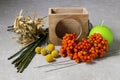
50,47
54,53
43,51
49,58
38,49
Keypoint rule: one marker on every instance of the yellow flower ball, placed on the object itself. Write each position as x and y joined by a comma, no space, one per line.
50,47
38,49
43,51
49,58
54,53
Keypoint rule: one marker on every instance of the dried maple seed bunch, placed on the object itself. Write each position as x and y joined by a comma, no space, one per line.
89,48
29,29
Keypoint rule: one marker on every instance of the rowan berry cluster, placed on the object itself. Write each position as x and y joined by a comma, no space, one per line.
86,50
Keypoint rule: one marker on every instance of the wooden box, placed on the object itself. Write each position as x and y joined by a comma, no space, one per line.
67,20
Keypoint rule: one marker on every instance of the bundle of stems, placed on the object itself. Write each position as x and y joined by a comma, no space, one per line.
26,54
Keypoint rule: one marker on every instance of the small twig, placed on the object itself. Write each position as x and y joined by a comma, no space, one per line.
114,50
102,22
111,52
61,67
44,17
52,64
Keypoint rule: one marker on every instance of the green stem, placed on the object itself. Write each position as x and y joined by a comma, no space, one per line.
22,55
22,59
20,51
27,62
30,50
29,55
10,26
